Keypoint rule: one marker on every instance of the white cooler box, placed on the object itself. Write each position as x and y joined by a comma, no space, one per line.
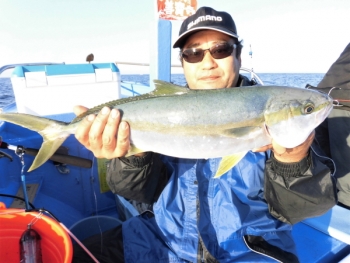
56,89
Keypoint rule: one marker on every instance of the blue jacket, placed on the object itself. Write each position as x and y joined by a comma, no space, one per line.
223,211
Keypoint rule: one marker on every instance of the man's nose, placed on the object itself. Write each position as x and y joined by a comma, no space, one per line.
208,61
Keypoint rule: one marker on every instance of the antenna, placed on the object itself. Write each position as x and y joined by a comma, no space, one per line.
251,61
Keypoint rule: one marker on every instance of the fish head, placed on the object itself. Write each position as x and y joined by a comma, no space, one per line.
292,116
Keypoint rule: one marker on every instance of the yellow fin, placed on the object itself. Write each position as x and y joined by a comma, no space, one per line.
164,88
53,132
47,149
228,162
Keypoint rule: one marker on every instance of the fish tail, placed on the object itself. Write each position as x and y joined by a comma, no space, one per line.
54,133
47,149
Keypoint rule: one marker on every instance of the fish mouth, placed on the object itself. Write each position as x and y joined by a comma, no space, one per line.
322,114
331,103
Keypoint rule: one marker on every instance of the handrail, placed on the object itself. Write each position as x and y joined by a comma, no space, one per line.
253,75
6,67
143,64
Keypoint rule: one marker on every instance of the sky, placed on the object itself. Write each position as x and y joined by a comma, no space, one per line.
286,36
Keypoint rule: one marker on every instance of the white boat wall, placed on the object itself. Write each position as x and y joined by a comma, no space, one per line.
73,187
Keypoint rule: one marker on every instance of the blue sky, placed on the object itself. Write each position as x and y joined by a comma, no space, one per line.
297,36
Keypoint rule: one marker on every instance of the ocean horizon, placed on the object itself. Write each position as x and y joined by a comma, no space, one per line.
277,79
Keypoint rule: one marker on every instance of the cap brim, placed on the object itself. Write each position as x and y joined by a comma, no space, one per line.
184,36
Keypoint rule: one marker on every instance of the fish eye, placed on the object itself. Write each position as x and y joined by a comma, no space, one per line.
309,108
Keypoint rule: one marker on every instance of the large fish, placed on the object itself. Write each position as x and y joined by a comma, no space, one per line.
180,122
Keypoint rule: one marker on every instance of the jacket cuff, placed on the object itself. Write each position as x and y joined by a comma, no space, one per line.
291,169
137,161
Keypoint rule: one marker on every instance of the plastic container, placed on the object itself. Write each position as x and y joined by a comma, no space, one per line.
56,89
56,244
30,246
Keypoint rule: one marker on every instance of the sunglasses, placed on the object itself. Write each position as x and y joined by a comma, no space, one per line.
219,51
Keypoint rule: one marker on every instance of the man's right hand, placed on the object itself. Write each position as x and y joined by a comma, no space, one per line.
104,134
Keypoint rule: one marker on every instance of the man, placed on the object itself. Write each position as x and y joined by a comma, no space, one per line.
195,217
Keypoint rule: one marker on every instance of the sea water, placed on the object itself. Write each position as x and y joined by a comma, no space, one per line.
278,79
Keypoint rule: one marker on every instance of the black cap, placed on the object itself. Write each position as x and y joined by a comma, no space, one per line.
206,18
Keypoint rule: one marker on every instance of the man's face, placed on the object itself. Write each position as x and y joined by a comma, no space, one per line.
211,73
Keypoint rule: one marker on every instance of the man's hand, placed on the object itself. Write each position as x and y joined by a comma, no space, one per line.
104,134
291,155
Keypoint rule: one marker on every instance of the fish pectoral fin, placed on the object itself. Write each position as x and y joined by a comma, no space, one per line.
228,162
133,150
47,149
240,131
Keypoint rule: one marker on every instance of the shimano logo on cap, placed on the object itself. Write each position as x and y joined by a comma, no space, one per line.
204,18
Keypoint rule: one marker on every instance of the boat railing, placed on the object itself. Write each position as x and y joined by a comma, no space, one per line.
253,75
6,67
130,87
10,66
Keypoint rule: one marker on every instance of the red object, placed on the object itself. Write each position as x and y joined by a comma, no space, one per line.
176,9
56,244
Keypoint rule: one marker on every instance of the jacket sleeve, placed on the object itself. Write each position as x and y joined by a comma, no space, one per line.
138,178
296,191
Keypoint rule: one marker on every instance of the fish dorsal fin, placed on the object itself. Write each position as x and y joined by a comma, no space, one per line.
162,88
228,162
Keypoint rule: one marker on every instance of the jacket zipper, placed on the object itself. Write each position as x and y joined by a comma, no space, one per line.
201,251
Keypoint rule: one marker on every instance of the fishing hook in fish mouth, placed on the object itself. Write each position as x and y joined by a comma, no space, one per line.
335,101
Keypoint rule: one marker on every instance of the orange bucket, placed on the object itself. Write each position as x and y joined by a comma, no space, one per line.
56,245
